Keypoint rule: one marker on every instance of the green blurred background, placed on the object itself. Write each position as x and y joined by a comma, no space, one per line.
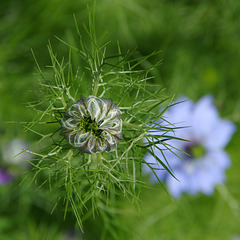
200,51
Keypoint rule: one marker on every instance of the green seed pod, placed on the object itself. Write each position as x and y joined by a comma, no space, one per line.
93,125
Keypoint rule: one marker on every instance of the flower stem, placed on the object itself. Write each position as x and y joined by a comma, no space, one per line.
96,86
131,125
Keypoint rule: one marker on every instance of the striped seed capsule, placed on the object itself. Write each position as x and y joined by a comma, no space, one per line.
93,125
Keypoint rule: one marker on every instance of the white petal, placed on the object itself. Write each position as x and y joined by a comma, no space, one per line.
108,137
74,111
70,123
82,108
81,138
105,107
92,144
101,145
93,107
113,127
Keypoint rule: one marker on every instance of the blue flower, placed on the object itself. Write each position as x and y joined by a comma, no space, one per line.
204,155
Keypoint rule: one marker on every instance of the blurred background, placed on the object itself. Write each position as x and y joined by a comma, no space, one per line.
199,43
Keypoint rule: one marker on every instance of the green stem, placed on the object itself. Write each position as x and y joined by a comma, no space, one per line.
99,158
131,125
96,160
96,86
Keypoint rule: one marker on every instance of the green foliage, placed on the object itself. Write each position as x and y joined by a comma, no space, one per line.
199,45
89,180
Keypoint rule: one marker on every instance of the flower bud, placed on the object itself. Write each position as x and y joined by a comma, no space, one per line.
93,125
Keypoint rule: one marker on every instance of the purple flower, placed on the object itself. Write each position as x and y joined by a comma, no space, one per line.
5,177
204,155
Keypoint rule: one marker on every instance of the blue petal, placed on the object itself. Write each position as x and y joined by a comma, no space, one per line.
180,114
220,135
176,188
217,160
205,116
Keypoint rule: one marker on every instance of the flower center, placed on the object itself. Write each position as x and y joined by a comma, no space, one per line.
90,125
195,151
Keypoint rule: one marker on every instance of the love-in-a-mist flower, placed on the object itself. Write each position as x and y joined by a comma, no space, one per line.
93,125
13,153
5,176
204,155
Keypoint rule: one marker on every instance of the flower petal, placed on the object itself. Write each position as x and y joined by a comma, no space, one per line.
208,130
205,116
5,177
220,135
93,125
94,108
81,138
